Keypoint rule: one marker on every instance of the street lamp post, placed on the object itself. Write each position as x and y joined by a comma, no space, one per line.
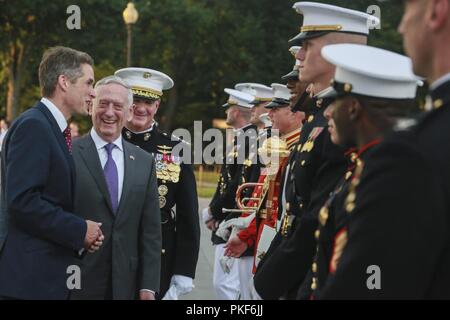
130,16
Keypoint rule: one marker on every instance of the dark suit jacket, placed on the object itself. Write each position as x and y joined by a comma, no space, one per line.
130,257
37,188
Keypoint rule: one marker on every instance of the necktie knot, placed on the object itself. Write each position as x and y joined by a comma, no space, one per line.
109,147
68,137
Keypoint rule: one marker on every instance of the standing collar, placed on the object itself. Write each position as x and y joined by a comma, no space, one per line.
154,124
243,128
440,82
56,113
100,142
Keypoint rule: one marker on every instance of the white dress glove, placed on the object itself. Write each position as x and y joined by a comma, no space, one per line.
179,285
206,216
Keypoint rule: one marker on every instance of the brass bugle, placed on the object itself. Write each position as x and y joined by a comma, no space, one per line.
240,202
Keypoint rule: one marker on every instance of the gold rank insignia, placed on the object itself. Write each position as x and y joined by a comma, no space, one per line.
319,103
163,190
247,162
438,103
309,144
128,134
310,118
162,202
147,136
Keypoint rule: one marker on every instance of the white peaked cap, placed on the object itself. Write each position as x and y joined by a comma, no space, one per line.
281,91
146,83
239,98
260,92
320,18
371,71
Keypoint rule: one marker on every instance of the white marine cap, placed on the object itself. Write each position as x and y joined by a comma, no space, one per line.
294,49
370,71
145,83
320,19
281,96
260,92
293,75
239,98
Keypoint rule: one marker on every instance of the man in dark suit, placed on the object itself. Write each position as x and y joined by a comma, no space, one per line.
116,184
426,29
177,192
40,236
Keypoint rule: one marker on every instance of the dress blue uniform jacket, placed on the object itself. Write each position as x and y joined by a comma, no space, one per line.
39,236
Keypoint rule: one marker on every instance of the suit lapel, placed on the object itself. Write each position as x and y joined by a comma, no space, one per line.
128,177
89,153
59,137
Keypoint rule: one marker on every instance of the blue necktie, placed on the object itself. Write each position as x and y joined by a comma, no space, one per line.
112,177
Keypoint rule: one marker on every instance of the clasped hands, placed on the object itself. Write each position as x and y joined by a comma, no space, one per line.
94,236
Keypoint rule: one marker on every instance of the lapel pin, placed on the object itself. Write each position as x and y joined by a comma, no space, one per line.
132,157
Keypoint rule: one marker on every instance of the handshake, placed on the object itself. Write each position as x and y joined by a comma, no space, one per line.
94,237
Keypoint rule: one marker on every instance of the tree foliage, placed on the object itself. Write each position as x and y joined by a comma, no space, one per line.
204,45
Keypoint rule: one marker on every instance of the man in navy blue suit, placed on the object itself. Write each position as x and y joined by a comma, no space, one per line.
40,237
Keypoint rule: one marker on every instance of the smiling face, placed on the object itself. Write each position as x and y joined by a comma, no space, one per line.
110,111
143,114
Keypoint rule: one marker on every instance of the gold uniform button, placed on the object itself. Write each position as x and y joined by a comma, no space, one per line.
350,207
301,205
163,251
310,118
438,103
314,284
314,267
317,234
288,205
303,163
323,216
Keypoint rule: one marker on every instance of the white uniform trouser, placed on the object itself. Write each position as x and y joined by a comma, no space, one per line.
245,266
226,285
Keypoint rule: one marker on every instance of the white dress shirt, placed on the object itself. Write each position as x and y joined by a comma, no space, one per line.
56,113
117,154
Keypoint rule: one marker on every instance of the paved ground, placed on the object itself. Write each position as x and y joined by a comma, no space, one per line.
203,281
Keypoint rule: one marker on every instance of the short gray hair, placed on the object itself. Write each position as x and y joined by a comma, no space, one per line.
58,61
116,80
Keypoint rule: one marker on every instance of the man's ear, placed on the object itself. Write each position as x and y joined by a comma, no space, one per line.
354,109
63,82
157,104
438,12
